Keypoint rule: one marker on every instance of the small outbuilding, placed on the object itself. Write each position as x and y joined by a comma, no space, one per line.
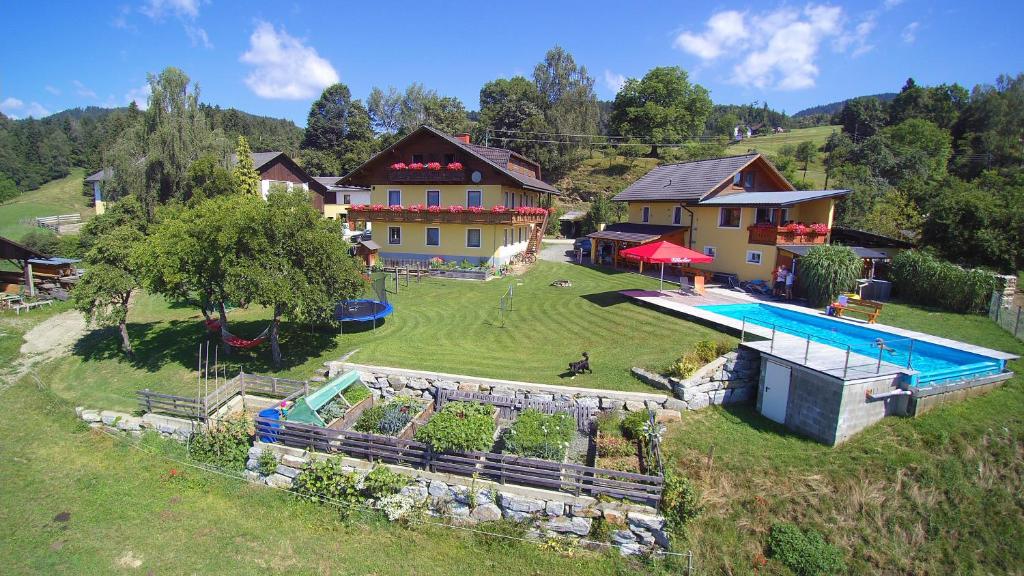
367,250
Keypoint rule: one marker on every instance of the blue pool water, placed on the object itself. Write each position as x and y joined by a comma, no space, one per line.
935,363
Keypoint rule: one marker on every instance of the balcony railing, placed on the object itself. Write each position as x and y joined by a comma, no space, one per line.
430,176
772,236
509,217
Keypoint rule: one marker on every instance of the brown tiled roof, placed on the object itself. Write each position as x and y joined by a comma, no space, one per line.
629,232
499,158
684,181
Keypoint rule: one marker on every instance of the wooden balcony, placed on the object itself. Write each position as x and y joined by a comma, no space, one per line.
773,236
427,176
445,217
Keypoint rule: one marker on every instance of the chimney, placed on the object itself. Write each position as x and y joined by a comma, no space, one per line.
464,137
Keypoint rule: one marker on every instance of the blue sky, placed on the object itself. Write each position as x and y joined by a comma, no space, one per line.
274,58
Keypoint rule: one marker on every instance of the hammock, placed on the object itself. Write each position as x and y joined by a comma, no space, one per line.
214,325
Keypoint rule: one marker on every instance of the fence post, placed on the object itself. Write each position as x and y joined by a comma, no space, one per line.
1016,325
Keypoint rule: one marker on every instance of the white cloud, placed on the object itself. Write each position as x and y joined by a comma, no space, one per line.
83,90
156,9
890,4
614,81
909,34
139,95
284,67
52,90
198,36
16,108
778,48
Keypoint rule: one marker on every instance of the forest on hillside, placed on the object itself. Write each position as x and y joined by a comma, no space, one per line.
941,165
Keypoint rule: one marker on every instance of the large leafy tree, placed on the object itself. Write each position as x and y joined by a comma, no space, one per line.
112,266
291,260
862,117
663,107
394,113
207,178
244,174
338,133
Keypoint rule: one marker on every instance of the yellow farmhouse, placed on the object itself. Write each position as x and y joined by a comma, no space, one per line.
438,196
739,210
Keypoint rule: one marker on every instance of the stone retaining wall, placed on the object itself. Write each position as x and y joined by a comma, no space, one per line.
729,379
177,428
634,528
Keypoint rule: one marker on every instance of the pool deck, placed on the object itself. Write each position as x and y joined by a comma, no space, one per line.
814,355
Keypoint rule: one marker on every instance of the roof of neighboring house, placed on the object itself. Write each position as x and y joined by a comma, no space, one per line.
54,261
841,235
684,181
11,250
779,198
98,176
629,232
327,180
860,251
370,244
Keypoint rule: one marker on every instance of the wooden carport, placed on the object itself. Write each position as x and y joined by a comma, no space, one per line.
19,256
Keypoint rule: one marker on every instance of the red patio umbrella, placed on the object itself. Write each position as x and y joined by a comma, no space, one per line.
663,252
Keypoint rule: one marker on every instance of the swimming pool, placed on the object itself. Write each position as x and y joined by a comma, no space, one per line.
933,362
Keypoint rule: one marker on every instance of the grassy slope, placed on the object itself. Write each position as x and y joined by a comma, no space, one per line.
937,494
442,325
122,506
62,196
772,143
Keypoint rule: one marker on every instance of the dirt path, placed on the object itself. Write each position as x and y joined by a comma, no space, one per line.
51,339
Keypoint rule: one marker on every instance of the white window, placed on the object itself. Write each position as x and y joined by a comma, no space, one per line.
394,197
710,251
433,198
394,234
520,234
472,238
474,198
645,214
737,178
729,217
508,236
748,179
508,199
347,199
754,257
677,215
433,236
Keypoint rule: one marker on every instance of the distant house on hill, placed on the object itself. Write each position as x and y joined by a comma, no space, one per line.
273,168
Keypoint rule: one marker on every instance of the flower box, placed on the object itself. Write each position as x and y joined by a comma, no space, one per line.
454,166
399,166
416,166
435,166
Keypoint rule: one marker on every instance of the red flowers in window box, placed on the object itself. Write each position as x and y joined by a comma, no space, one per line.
454,166
475,209
416,208
396,208
399,166
359,208
434,209
377,208
800,229
455,209
819,229
499,209
416,166
433,166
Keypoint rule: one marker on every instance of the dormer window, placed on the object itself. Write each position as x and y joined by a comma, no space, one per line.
448,159
737,178
417,158
748,179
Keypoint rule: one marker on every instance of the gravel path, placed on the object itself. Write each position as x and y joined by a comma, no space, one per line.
51,339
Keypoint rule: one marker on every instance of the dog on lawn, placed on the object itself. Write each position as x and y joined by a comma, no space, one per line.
580,366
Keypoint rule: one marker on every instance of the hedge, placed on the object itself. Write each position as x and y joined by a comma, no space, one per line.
922,278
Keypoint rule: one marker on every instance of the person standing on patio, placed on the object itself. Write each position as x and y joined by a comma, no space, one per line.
790,280
780,281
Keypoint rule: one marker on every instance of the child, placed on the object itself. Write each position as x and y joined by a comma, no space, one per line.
780,281
790,279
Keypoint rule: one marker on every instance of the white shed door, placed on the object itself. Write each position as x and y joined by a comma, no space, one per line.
775,394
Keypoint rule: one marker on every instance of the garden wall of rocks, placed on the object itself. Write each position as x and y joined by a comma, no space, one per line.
633,528
421,384
729,379
178,428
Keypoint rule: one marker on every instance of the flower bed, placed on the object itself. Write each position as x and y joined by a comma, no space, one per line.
460,426
616,447
390,418
539,435
341,404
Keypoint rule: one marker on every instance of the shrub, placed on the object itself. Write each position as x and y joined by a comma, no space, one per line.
382,482
460,426
324,480
332,410
539,435
609,423
680,501
614,446
828,270
42,240
389,417
702,352
225,445
267,463
397,506
356,393
805,552
633,425
924,279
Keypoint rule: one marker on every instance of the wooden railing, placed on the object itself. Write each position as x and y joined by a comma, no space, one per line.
444,216
502,468
202,407
425,175
509,406
55,222
773,236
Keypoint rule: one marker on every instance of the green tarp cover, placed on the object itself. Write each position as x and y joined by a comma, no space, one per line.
305,408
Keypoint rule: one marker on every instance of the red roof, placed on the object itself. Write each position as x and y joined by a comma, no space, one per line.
665,253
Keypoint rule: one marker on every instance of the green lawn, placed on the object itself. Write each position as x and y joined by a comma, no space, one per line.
442,325
62,196
772,143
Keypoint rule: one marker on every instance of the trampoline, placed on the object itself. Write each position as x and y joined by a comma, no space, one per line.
362,310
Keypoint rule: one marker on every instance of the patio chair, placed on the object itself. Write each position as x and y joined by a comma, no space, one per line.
684,286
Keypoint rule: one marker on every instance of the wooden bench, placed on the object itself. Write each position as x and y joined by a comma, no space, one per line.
868,308
29,305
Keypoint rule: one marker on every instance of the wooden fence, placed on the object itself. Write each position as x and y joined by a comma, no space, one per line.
502,468
55,222
509,406
200,408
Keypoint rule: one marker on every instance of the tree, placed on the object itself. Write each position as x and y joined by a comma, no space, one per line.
290,260
662,108
447,114
600,212
806,152
43,241
244,174
338,126
862,117
8,189
207,178
112,268
385,109
828,270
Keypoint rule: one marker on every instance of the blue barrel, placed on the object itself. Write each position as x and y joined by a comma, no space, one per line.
266,431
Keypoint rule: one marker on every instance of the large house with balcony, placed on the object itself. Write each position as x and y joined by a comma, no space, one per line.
739,210
437,196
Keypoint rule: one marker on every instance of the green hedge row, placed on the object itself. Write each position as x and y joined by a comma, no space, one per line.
924,279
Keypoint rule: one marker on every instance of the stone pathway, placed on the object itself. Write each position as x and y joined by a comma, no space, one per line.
49,340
